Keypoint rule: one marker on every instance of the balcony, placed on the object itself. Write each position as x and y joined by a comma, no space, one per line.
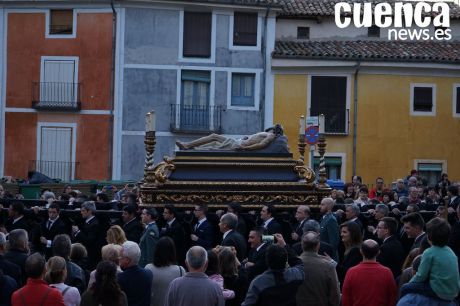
56,96
337,120
195,118
63,170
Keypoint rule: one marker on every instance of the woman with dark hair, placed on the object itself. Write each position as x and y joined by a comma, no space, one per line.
349,190
105,291
352,237
233,280
212,271
164,270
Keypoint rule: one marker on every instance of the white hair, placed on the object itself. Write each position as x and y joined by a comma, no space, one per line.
132,251
196,257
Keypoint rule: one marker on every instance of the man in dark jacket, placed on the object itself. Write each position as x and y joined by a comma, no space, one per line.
227,226
50,228
131,225
8,268
175,231
18,250
256,264
391,251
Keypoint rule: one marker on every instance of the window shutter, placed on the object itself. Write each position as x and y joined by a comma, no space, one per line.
245,29
458,101
423,99
197,34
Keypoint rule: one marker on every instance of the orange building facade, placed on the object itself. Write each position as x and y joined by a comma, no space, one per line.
57,79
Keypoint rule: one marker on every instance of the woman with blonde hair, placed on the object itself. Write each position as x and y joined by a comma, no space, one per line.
109,252
56,273
116,235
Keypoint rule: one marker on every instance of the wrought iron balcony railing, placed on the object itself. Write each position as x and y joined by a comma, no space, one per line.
65,171
57,96
336,120
196,118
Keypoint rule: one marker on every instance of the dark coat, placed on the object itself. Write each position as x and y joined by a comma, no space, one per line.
177,234
349,260
205,235
392,255
11,269
133,230
21,223
236,240
258,259
136,283
274,228
91,235
454,240
18,258
58,227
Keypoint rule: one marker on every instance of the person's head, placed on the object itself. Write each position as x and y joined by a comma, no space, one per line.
16,210
413,192
234,208
48,196
53,211
452,190
129,213
169,212
412,181
78,252
129,255
413,224
276,257
311,226
116,235
111,252
412,208
370,249
310,242
102,197
349,188
387,227
352,211
18,240
200,211
381,210
67,189
379,183
149,215
302,213
277,129
62,246
227,263
356,180
35,266
326,205
255,236
213,263
400,184
228,222
440,211
56,270
165,253
267,212
351,234
88,209
363,193
196,259
432,192
438,231
105,289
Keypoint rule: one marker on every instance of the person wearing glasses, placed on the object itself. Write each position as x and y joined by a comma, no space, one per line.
202,233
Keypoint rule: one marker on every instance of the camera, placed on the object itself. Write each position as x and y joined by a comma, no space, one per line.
269,239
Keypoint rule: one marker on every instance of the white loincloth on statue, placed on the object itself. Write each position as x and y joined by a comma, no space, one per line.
227,144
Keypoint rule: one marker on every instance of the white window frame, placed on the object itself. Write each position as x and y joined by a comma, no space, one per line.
73,126
231,46
257,73
455,111
60,36
212,92
418,113
348,98
76,59
181,57
342,156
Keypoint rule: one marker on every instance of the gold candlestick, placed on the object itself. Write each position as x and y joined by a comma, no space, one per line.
322,176
149,141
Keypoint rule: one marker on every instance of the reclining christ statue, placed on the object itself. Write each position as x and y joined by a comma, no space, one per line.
248,143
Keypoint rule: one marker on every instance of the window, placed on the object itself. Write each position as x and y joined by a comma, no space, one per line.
456,100
194,108
243,89
303,33
373,31
328,96
333,167
423,99
430,172
61,22
245,29
197,35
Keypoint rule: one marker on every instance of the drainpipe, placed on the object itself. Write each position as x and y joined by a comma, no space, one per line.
112,89
355,114
264,82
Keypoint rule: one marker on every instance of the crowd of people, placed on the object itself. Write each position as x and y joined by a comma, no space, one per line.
378,246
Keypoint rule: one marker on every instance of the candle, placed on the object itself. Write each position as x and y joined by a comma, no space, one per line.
302,125
150,121
321,124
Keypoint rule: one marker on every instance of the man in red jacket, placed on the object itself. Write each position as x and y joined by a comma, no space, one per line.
369,283
36,292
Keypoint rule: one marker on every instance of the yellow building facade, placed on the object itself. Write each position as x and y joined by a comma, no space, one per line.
391,138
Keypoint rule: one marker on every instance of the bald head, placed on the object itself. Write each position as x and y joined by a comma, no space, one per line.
310,242
326,205
197,259
370,249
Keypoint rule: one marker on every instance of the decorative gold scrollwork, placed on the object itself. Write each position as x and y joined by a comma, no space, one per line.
160,173
304,172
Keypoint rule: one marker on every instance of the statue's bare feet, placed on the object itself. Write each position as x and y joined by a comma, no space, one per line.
181,145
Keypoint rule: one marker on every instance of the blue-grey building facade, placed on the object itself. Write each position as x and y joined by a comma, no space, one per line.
202,67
